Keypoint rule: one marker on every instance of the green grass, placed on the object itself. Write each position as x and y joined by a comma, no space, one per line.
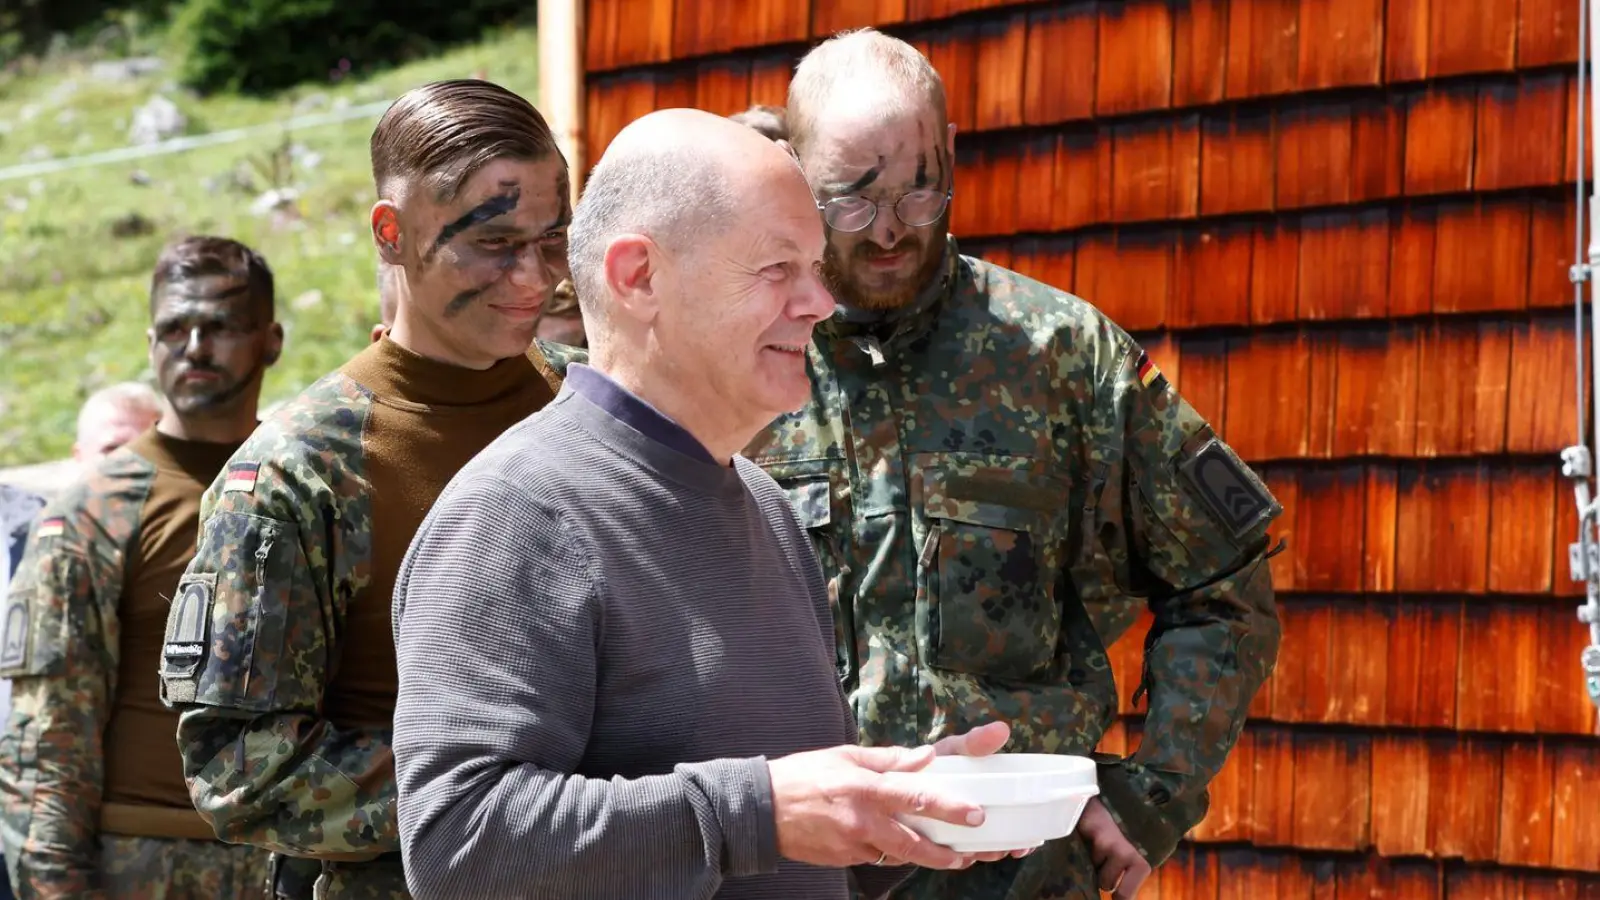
73,296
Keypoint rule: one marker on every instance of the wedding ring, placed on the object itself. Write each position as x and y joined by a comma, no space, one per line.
881,857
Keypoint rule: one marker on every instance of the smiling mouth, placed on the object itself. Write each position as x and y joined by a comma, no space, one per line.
797,349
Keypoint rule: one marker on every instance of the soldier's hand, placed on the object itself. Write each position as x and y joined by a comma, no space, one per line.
833,808
1120,867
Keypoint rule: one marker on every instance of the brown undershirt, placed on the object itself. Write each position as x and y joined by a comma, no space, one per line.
427,420
141,767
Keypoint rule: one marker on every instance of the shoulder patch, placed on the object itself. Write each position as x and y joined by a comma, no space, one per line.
1149,375
188,620
52,527
241,477
1233,493
14,636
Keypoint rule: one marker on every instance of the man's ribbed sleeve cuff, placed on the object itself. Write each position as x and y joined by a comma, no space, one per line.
736,795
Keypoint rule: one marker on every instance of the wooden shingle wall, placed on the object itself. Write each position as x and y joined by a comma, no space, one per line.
1342,228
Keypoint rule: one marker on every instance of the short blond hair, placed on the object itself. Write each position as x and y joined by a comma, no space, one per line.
864,62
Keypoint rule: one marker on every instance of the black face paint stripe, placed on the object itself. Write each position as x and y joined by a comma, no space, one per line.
461,301
922,170
864,181
492,208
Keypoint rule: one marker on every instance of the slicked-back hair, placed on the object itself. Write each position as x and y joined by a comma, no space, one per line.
861,59
440,134
199,256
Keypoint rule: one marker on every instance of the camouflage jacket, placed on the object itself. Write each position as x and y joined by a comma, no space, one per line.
991,482
61,650
259,627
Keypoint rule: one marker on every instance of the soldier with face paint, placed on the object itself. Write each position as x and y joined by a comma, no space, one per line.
94,798
284,670
995,477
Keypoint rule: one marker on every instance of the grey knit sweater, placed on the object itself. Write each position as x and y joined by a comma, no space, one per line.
600,641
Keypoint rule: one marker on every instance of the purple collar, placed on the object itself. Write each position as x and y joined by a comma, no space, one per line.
595,387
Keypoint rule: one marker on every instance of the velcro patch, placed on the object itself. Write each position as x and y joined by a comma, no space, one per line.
14,637
241,477
188,621
52,527
1236,497
1149,375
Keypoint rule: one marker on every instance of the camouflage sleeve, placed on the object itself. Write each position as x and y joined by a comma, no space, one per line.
54,650
251,642
1184,522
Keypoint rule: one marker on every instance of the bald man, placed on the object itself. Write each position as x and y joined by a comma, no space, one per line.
111,417
663,723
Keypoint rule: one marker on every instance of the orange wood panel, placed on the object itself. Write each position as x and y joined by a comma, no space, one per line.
693,26
1213,276
1273,822
1330,521
1155,168
1576,830
1344,265
1423,651
769,79
1377,149
1383,502
1412,261
1566,534
1547,33
1543,381
1128,275
1341,43
1199,51
1484,688
1375,409
1573,159
600,34
1406,40
1058,84
1522,529
1058,261
786,22
643,32
1400,794
1480,36
1494,373
1135,57
615,101
1127,660
1563,705
1191,875
1237,153
1314,155
1444,527
1001,189
1521,132
676,87
1204,368
1274,273
1083,179
954,53
1232,796
1359,657
829,17
1481,256
1527,795
1267,415
995,254
969,217
1551,252
1024,258
1036,180
1321,394
1263,47
723,86
1302,651
1464,774
1440,130
1325,817
1316,648
1002,54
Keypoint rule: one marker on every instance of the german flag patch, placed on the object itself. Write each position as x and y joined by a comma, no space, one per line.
52,527
241,477
1149,375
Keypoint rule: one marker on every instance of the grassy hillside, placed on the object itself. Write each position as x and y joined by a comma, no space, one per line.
76,247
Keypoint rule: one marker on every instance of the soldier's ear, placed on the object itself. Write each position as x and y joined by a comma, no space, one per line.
386,233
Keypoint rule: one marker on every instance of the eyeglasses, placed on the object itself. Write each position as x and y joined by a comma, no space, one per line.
914,208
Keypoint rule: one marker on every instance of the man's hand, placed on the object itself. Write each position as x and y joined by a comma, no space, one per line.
833,809
1120,868
984,740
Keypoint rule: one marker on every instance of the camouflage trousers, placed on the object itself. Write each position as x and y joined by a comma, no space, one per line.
382,879
1060,870
144,868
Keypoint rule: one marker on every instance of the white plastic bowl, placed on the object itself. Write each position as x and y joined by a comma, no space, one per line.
1027,798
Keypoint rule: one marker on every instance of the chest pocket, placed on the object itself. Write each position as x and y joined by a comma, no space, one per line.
810,497
989,566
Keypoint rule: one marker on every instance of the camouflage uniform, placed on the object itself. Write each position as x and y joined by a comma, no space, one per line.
285,557
993,479
61,648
